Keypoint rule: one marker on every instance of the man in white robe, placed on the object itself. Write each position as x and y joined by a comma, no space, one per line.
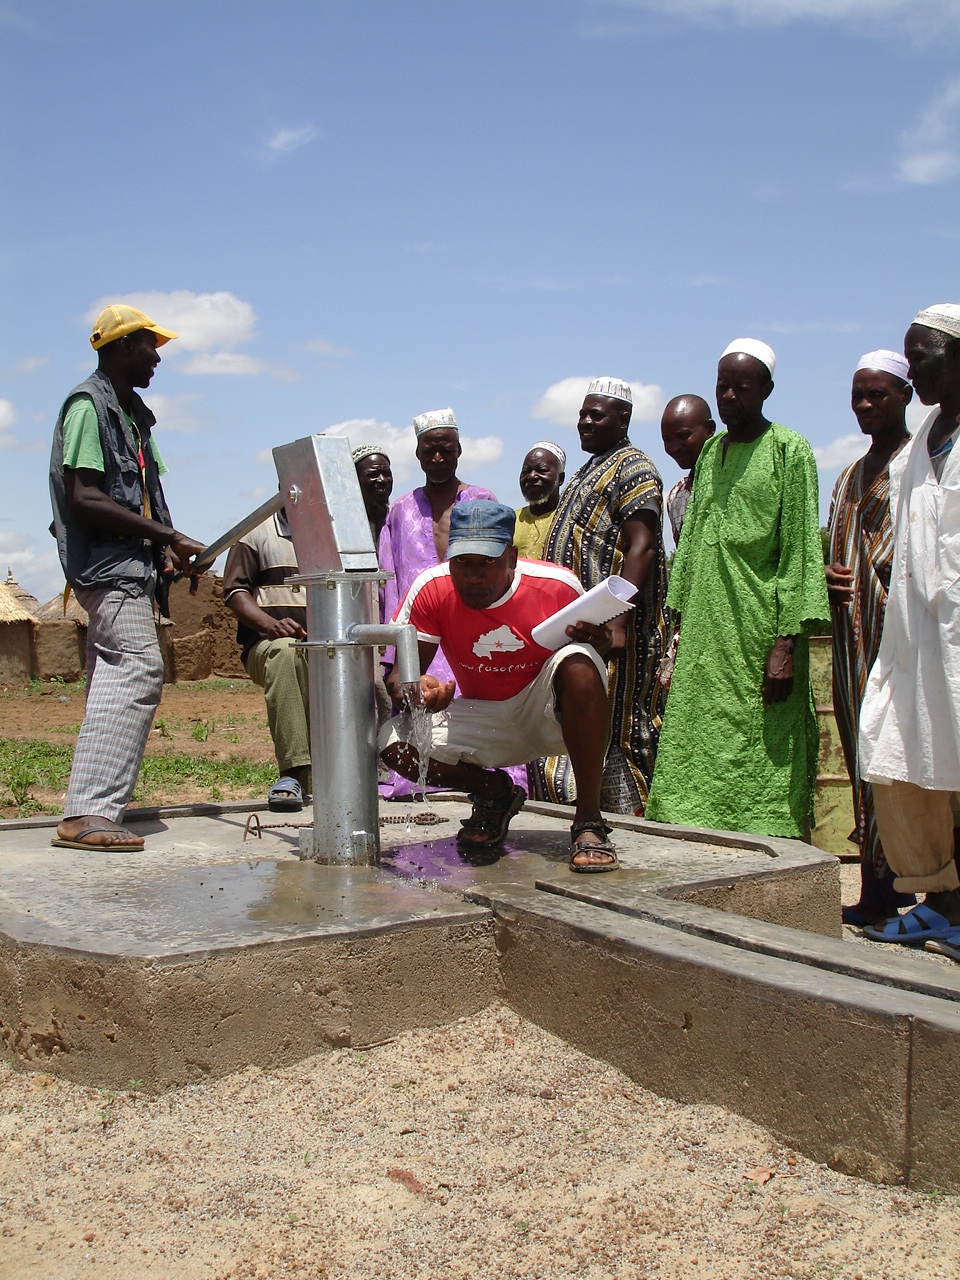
910,718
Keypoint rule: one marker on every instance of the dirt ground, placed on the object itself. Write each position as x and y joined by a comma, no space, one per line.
233,710
484,1148
216,719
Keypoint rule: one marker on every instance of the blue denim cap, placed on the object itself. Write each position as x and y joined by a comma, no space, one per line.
480,528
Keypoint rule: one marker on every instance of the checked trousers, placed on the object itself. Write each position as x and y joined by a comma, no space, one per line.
124,683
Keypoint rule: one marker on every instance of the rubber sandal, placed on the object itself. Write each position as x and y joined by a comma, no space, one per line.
918,926
599,828
92,826
949,947
491,818
285,796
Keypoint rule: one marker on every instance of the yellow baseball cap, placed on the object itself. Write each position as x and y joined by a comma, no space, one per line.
115,322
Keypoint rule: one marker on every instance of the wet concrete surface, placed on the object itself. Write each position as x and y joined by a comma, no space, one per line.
202,883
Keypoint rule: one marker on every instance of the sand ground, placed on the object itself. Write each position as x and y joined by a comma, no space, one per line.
483,1148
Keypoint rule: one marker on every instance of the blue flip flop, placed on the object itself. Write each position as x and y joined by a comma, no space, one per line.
918,926
285,796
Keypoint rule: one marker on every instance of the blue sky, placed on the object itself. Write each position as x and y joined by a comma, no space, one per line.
357,211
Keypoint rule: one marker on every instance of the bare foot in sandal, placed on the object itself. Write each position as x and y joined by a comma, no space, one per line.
590,850
92,831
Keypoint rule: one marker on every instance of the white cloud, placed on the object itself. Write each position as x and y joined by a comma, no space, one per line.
29,364
401,444
204,321
561,401
775,13
7,418
480,452
841,452
232,363
37,570
931,148
210,327
321,347
173,413
285,141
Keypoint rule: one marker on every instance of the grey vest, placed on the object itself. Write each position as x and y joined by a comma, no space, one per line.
94,557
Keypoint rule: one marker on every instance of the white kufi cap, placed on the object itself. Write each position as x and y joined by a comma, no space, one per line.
615,388
887,362
550,447
945,316
434,420
752,347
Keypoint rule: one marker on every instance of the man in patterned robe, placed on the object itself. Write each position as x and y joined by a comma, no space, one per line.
609,521
739,746
858,579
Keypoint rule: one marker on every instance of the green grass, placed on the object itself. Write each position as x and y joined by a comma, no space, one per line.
161,776
32,764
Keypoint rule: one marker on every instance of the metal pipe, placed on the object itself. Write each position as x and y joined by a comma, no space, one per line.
402,635
207,556
343,721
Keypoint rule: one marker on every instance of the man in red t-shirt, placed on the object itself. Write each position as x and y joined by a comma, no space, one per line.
519,701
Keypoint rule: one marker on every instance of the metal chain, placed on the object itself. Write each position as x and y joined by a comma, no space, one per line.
427,819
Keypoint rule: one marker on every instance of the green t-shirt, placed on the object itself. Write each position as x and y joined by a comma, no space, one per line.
81,437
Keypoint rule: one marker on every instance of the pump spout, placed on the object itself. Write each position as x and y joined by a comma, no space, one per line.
404,636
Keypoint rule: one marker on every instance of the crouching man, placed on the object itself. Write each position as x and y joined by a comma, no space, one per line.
519,701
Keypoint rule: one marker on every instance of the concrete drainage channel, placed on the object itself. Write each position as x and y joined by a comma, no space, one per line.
710,968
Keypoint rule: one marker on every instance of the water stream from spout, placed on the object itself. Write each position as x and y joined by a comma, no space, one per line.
421,739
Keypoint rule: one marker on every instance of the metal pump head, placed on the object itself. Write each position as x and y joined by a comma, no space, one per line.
324,505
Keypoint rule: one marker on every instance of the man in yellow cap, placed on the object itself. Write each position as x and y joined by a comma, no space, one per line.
116,543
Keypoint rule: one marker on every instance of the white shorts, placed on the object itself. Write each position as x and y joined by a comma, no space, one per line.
493,734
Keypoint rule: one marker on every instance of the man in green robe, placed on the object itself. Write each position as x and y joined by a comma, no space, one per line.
739,744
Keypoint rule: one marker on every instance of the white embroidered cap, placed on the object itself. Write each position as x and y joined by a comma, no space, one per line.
434,419
615,388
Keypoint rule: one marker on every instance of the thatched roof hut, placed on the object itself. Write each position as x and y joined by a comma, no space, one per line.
16,639
28,602
11,610
53,611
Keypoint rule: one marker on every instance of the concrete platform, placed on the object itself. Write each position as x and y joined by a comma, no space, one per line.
711,967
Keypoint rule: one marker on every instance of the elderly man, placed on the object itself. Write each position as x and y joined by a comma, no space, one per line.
415,534
376,484
739,745
541,476
609,521
858,578
116,542
519,700
910,718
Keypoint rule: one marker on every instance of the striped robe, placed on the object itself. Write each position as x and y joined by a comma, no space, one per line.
587,537
861,538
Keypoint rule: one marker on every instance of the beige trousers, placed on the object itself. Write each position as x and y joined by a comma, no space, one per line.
916,831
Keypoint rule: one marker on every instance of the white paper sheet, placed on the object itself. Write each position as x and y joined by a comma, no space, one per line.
607,600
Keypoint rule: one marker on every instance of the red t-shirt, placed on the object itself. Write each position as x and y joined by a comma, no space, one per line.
490,650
